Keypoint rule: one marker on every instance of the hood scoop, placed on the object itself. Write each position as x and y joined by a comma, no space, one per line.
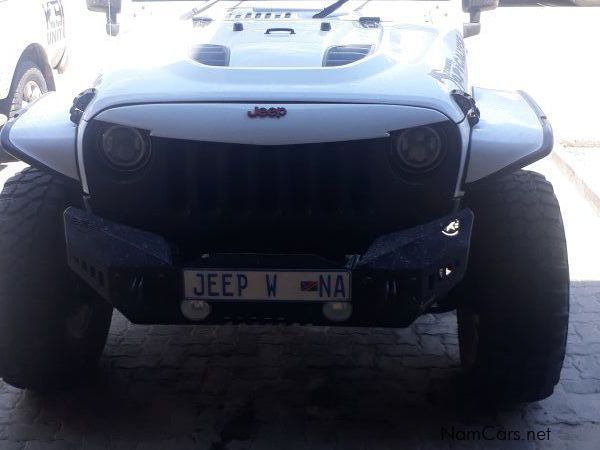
345,54
210,54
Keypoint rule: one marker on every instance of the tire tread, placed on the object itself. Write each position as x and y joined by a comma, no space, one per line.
518,283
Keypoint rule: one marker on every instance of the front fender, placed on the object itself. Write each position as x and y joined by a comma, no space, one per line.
512,133
44,136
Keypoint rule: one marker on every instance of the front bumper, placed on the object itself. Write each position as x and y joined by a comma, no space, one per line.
398,278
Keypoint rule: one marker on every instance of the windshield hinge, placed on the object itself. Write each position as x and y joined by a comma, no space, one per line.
467,104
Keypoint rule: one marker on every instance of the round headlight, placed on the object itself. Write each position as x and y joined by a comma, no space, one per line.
418,149
125,148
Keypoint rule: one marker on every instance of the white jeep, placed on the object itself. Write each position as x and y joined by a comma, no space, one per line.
287,162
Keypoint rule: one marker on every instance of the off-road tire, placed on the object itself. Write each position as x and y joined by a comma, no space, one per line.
52,327
27,71
514,318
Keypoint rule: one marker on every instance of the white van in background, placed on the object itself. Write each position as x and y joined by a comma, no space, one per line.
33,45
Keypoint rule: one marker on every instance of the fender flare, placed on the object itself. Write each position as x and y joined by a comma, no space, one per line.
43,136
512,133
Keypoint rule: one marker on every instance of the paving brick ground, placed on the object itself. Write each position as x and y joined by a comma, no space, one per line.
286,388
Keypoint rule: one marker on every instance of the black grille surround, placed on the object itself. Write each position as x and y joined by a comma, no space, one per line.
327,198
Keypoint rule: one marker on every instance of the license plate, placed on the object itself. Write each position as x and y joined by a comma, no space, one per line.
263,285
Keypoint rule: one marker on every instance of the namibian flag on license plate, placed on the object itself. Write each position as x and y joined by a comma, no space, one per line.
309,286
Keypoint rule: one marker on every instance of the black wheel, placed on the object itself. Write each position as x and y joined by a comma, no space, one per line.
513,320
27,86
52,327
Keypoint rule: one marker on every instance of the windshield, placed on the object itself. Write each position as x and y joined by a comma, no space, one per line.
190,8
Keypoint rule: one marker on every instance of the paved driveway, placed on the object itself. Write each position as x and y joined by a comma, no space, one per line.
247,387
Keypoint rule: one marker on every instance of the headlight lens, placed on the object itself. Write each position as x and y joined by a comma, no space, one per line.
125,148
418,149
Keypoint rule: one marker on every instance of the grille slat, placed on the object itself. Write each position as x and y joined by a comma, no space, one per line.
223,206
313,199
344,184
253,177
284,194
191,195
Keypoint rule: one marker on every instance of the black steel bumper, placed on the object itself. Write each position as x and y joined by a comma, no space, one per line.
398,278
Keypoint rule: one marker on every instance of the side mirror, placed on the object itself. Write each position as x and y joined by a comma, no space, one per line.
111,8
474,8
104,6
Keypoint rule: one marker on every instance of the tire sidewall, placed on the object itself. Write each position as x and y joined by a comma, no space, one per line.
27,71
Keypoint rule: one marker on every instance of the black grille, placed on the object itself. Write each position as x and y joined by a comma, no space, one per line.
211,55
345,54
272,182
313,198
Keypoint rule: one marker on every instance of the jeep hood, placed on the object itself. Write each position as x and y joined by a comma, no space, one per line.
271,61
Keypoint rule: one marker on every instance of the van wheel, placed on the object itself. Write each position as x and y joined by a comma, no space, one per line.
513,322
52,327
27,86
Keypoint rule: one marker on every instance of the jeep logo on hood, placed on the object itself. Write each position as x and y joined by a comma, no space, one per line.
274,113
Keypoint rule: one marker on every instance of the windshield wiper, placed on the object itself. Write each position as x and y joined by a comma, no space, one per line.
362,6
195,11
331,8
